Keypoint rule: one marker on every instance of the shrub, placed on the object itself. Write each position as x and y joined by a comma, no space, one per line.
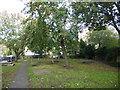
108,55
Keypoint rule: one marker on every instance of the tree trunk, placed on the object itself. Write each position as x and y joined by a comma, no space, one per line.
52,60
31,61
58,57
64,51
39,59
116,27
75,52
17,55
65,56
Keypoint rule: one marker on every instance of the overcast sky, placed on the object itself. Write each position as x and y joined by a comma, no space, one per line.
11,6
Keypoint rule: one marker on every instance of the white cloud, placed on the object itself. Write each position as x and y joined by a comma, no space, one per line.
11,6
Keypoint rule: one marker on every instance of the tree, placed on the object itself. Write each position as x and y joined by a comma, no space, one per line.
82,48
60,16
104,38
50,27
86,51
90,51
96,15
106,42
12,34
40,38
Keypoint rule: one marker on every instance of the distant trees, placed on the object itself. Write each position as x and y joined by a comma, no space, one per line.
104,38
106,42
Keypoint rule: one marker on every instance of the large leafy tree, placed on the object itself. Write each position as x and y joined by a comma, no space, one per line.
104,38
49,31
38,27
60,16
96,15
106,42
11,32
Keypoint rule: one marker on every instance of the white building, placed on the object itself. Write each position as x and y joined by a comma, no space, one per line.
28,52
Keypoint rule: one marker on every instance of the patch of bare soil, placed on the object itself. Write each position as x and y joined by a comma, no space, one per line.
41,71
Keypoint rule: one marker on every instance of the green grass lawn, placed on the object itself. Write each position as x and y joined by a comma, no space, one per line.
8,73
94,75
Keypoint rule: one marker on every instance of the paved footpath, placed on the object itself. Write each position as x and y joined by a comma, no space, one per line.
21,78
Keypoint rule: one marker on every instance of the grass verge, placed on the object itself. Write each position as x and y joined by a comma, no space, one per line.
8,73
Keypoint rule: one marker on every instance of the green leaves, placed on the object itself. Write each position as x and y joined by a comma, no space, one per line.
97,15
12,32
103,38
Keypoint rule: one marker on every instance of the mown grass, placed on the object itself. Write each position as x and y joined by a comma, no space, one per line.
94,75
8,73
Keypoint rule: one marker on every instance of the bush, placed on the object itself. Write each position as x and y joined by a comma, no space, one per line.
108,55
111,54
89,51
86,51
101,53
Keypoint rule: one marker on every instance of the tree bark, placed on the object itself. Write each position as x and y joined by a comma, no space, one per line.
116,27
118,30
17,56
59,57
64,51
52,60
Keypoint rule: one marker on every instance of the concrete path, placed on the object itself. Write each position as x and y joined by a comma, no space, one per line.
21,78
